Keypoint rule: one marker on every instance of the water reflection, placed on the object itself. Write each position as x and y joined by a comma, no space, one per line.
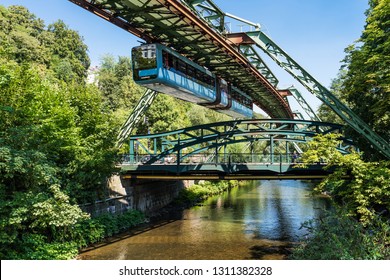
258,221
279,210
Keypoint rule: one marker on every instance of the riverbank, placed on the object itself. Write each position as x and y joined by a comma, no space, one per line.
197,193
255,221
109,228
338,236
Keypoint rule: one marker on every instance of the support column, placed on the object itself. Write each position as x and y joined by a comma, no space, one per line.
178,156
287,152
132,155
272,148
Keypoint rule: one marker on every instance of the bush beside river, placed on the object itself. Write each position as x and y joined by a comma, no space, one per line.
359,227
198,192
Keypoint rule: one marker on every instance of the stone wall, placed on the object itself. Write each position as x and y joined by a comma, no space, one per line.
146,196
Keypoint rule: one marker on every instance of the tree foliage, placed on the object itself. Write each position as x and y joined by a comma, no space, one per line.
361,230
336,236
56,144
58,133
325,113
364,82
363,188
359,226
25,39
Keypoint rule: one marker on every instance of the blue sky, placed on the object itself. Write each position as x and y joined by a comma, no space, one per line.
313,32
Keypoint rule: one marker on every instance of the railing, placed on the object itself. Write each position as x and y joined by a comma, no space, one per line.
204,158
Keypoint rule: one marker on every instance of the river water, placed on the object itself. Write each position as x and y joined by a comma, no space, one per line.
259,221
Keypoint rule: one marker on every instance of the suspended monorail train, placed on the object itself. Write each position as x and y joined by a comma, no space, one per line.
158,67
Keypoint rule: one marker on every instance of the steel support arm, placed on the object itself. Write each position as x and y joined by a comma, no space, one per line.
142,106
305,106
312,85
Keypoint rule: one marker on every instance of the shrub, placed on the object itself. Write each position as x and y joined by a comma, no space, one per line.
340,237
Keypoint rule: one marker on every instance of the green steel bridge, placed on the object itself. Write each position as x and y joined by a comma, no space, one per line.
197,30
203,151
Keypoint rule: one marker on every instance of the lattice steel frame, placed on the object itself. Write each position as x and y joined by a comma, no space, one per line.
213,136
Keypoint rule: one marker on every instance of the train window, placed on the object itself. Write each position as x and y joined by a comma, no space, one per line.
174,62
169,60
191,71
199,76
234,94
224,87
166,57
207,80
144,57
212,81
181,66
247,103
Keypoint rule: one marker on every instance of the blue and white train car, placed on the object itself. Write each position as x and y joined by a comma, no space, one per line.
158,67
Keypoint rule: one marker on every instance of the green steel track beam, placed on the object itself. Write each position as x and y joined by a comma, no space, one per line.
172,23
250,53
142,106
219,177
208,10
178,24
305,106
313,86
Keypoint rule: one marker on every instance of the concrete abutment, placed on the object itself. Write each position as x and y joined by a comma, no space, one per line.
147,196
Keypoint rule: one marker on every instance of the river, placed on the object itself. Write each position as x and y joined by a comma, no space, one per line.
259,221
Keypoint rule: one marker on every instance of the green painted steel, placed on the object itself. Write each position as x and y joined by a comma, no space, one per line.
254,58
201,150
208,10
313,86
133,120
235,167
174,24
206,140
166,21
215,17
305,106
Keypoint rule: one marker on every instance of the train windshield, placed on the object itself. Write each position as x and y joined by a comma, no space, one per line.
144,57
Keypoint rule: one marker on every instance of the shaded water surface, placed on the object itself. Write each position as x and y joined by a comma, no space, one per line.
258,221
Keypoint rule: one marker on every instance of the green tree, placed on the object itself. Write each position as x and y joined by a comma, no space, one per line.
366,84
56,139
19,35
69,53
38,225
25,39
358,225
325,113
115,80
361,187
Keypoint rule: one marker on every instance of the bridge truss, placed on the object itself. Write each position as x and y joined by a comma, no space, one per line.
205,149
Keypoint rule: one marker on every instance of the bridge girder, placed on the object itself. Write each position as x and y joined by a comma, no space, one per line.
199,139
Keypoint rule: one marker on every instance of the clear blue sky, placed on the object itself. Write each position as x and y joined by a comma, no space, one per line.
314,32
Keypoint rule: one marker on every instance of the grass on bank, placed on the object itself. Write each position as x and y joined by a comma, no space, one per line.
199,192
